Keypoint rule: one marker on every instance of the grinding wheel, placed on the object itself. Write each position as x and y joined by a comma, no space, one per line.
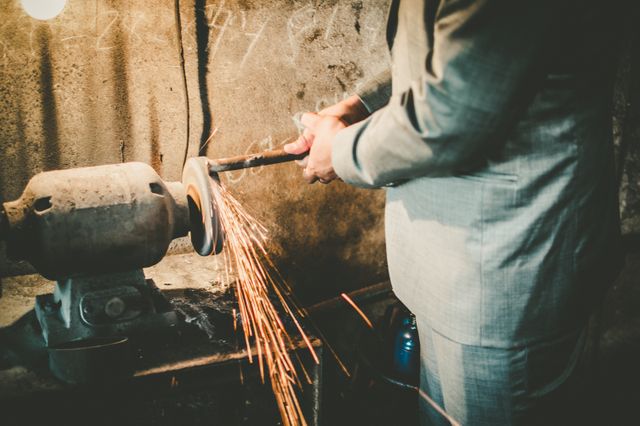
207,235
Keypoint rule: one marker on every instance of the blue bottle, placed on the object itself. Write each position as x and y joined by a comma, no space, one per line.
406,351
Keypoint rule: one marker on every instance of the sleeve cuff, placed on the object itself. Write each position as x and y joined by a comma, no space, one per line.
376,92
343,155
344,158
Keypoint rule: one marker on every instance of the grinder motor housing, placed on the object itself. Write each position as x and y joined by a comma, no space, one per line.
95,220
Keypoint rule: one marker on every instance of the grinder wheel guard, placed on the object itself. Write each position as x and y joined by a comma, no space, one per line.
207,235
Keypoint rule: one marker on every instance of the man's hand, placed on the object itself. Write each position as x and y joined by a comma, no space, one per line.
320,130
350,110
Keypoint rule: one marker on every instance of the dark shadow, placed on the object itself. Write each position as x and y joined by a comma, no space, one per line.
202,38
21,343
313,254
51,142
23,174
120,75
631,111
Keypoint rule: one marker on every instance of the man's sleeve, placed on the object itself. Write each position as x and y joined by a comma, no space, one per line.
376,92
483,61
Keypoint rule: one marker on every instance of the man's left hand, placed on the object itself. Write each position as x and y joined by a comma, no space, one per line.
317,138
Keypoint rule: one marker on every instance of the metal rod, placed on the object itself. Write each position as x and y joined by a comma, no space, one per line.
252,160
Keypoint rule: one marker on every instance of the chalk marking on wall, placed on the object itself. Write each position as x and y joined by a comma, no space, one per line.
75,37
256,36
326,101
243,20
305,15
259,145
319,105
31,48
103,34
131,28
232,30
332,18
221,28
375,30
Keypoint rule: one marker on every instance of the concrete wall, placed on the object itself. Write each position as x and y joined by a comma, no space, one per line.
104,82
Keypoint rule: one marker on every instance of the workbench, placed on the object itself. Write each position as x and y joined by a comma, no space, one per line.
196,374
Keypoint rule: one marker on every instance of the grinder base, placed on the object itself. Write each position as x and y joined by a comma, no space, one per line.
117,305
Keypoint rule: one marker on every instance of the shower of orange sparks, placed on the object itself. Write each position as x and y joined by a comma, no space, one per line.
246,256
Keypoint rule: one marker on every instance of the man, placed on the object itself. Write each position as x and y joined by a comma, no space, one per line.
494,144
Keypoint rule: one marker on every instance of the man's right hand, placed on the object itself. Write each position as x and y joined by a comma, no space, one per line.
350,110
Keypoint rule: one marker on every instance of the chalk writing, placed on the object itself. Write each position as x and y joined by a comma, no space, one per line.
256,146
232,39
114,15
82,27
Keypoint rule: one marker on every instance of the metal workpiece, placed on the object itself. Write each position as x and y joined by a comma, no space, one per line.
95,220
252,160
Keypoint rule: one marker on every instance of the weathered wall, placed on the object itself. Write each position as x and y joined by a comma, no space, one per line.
104,82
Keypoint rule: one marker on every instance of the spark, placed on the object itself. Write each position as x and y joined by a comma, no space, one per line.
235,320
435,406
209,139
357,309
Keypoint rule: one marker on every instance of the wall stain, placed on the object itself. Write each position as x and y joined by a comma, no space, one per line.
49,113
356,6
300,93
202,38
154,136
306,245
120,76
22,175
346,74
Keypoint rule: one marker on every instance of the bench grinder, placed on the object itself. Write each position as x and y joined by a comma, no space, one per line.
93,229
